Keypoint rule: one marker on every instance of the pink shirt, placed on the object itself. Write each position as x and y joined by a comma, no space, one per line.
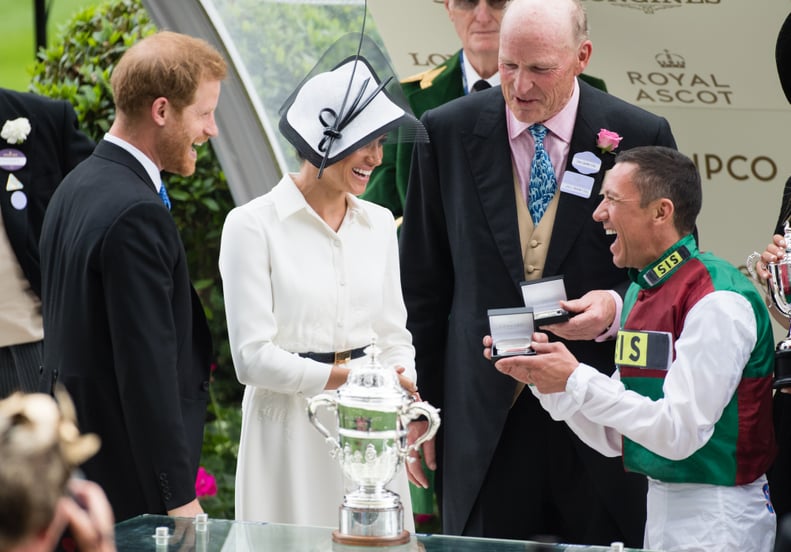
557,141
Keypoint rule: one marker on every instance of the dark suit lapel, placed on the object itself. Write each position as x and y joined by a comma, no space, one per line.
108,150
15,213
489,156
574,212
15,217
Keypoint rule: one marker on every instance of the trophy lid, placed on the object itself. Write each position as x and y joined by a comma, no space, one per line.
372,383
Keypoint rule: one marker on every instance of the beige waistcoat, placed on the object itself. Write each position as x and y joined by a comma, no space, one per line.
534,240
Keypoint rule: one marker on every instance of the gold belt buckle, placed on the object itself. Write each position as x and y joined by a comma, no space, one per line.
343,357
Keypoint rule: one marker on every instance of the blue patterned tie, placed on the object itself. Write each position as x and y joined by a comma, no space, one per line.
542,176
163,193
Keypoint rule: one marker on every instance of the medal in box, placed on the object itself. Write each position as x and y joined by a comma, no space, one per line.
544,297
511,331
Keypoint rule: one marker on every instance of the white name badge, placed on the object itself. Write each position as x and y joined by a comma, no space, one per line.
577,184
586,162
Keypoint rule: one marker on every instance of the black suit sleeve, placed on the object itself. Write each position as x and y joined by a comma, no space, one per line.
55,146
138,261
427,269
785,208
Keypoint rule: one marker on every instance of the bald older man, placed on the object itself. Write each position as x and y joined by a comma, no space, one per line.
479,221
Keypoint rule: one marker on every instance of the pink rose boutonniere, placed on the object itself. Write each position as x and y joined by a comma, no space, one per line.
607,140
205,484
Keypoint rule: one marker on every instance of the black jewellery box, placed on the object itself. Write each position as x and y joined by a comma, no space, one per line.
544,297
511,331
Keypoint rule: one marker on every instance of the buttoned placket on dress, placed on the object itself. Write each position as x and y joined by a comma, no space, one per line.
341,289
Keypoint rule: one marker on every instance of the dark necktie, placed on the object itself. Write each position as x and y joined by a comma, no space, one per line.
542,176
163,194
480,85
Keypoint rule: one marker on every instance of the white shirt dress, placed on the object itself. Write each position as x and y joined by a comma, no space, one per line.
292,284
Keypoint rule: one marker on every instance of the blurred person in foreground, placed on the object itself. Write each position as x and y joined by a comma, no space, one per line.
478,221
311,276
126,333
690,402
40,143
40,498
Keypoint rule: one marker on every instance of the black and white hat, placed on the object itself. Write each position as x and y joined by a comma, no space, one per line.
338,109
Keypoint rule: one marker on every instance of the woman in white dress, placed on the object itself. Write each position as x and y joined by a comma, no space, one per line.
310,270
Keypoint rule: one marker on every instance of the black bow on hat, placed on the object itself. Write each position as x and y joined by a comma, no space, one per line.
342,106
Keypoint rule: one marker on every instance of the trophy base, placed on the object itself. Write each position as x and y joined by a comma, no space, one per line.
361,540
782,367
368,525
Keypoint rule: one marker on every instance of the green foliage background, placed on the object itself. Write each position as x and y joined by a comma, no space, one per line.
17,49
77,67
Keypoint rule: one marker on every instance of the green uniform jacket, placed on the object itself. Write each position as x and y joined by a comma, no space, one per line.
424,91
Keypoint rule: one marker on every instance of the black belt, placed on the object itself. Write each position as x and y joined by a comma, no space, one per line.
335,358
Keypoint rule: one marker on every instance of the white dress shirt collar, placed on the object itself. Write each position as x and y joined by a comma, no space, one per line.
288,199
471,76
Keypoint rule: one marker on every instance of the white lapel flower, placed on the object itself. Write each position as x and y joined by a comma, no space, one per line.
15,131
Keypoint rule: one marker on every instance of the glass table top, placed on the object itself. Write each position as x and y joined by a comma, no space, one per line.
137,535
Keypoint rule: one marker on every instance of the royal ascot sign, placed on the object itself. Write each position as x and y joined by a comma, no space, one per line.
673,83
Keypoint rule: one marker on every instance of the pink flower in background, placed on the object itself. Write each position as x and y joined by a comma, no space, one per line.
607,140
205,484
423,518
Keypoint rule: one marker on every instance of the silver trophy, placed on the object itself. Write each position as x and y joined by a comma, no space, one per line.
372,412
778,288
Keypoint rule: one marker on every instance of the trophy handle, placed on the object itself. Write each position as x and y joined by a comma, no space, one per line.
417,409
752,260
778,284
314,404
770,284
